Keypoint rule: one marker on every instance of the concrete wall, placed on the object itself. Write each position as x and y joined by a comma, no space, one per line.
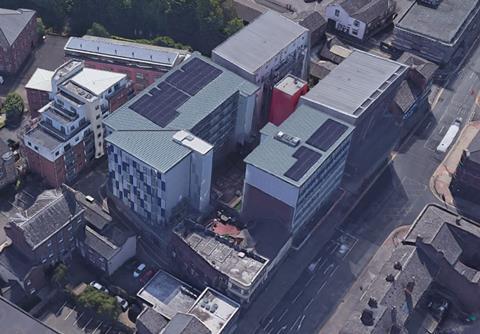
126,252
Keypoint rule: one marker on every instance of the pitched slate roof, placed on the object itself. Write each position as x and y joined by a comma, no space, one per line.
50,219
367,10
12,23
185,324
15,262
152,321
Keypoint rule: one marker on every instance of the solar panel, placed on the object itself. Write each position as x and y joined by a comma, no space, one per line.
306,158
160,105
327,134
193,76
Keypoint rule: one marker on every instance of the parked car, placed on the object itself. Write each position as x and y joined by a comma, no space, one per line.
139,270
146,276
99,287
2,81
123,303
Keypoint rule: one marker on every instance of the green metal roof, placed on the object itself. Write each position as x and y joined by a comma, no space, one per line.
275,157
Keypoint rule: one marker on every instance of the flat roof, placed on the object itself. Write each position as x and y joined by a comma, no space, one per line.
168,295
41,80
276,157
143,122
252,46
42,138
15,320
124,50
97,81
235,264
290,84
442,23
214,310
355,83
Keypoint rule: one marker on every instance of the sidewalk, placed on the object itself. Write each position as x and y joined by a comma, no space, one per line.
349,303
441,178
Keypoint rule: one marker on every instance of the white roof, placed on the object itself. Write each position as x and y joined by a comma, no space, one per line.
41,80
187,139
97,81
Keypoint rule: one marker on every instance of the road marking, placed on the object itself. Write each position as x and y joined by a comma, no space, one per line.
283,314
333,271
86,325
69,313
268,324
437,98
78,319
96,329
328,268
309,303
109,329
334,249
297,296
321,288
59,312
301,322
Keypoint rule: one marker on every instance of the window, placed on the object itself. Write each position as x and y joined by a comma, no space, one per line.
139,76
98,116
356,23
29,143
98,126
355,32
57,153
73,109
337,12
29,283
162,212
97,107
99,134
49,244
51,255
44,260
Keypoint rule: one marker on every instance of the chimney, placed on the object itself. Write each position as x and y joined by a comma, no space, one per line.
367,317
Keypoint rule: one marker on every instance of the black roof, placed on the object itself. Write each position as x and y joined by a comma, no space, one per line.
15,262
15,320
426,68
183,323
107,242
152,321
367,10
312,20
50,219
406,95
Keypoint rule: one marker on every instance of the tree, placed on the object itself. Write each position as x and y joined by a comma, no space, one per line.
40,27
59,275
99,302
13,108
98,30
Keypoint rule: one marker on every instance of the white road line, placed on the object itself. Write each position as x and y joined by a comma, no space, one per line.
333,271
60,309
309,280
297,296
109,329
328,268
350,249
283,314
309,303
334,249
78,319
321,288
301,323
69,313
96,329
88,323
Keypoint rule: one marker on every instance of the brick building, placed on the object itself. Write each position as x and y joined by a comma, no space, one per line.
142,63
18,37
41,236
8,172
68,135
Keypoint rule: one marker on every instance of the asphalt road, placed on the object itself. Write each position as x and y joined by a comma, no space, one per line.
396,198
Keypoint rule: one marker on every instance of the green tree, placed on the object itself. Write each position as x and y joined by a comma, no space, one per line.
40,27
13,108
59,275
99,302
98,30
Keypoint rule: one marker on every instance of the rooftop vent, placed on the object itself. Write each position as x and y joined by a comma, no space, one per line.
241,255
390,278
372,302
287,139
397,266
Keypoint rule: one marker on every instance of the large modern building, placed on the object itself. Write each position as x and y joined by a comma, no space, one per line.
439,34
68,135
431,276
142,63
360,18
360,91
295,169
18,37
8,170
163,143
264,52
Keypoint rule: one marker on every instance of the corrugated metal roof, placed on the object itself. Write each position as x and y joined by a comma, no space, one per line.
142,138
155,148
251,47
275,157
353,82
113,48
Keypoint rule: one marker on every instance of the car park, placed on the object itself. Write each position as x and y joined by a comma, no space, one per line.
139,270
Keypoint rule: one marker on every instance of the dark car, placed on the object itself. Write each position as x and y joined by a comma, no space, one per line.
147,275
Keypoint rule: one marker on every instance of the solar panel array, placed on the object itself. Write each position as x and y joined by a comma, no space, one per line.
327,134
160,104
306,158
194,75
